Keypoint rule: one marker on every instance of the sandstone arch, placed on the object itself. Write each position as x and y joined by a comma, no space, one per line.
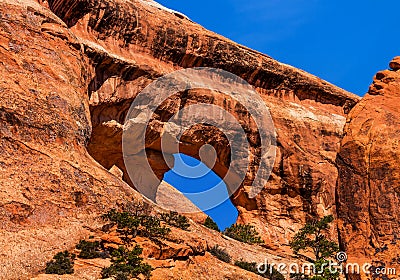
52,189
106,142
128,50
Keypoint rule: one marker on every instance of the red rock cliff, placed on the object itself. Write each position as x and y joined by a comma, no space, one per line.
369,173
50,186
70,70
130,43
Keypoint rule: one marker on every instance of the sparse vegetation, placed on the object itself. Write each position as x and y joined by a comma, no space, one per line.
89,249
176,220
252,267
312,238
151,227
137,208
244,233
133,224
127,264
62,263
267,272
221,254
211,224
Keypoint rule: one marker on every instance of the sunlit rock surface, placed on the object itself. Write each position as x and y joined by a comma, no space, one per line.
69,72
369,175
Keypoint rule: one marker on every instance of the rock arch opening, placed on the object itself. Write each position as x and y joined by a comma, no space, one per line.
308,112
108,120
190,176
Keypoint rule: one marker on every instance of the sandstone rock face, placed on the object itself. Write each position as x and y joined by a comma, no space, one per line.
171,198
182,255
50,186
368,185
69,72
130,49
395,63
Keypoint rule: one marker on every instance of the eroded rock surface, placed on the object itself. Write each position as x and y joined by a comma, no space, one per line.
50,187
131,49
69,72
369,175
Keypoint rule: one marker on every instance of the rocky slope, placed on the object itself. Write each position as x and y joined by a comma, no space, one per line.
70,70
130,49
368,184
51,188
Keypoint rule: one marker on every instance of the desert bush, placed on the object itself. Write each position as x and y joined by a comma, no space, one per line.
89,250
132,224
252,267
211,224
151,226
122,219
137,208
314,238
244,233
176,220
269,273
62,263
221,254
126,264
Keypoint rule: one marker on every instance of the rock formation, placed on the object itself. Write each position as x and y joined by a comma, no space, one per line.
70,71
130,49
368,184
51,188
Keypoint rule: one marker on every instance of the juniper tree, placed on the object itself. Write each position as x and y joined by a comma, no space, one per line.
312,238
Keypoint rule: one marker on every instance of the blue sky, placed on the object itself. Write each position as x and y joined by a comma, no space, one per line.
343,42
185,167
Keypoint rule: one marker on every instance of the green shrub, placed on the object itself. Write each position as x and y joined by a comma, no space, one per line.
124,220
62,263
133,224
126,264
137,208
89,250
244,233
176,220
150,226
211,224
314,238
221,254
252,267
